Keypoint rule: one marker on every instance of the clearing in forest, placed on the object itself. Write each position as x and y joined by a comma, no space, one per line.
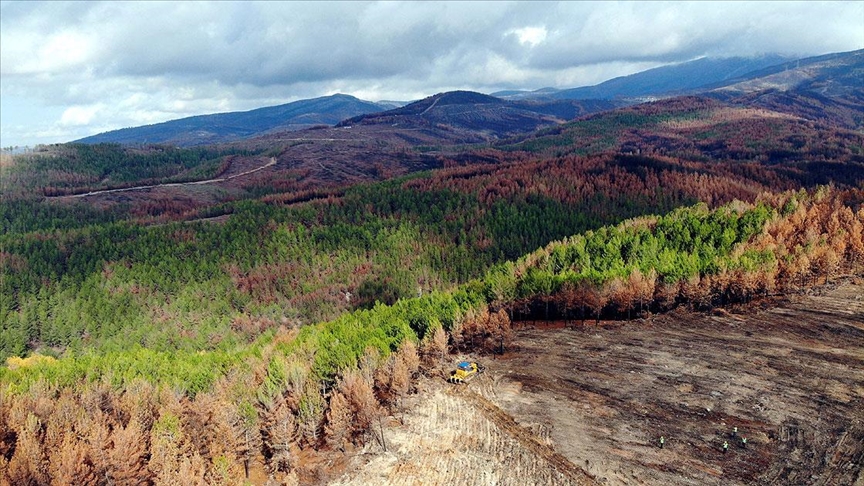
588,404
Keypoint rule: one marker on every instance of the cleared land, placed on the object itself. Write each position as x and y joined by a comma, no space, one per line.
587,404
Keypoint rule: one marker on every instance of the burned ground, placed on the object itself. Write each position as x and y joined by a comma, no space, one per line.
790,376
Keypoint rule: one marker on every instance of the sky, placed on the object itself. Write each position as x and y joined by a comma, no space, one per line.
72,69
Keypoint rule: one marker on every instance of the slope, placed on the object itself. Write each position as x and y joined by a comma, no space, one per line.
828,89
294,401
702,129
831,75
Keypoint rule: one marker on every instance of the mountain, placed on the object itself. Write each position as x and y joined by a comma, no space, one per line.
701,129
225,127
391,104
479,116
828,89
662,80
515,94
836,74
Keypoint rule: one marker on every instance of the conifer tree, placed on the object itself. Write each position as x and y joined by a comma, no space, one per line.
311,414
433,347
28,465
400,380
360,396
408,353
72,464
339,421
128,458
279,433
98,443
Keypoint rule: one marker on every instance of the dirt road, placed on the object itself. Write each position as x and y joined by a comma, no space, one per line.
790,377
270,162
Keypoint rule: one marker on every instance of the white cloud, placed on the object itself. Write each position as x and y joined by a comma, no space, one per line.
530,36
78,115
101,65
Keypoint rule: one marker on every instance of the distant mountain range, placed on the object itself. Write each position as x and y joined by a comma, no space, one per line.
225,127
827,88
663,80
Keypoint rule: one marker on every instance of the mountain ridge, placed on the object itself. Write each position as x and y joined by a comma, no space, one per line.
827,89
230,126
663,79
800,86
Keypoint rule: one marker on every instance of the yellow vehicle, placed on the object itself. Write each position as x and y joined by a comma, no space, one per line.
464,370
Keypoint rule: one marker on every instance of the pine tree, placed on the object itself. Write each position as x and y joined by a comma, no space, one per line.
98,443
72,464
7,435
170,452
383,382
400,380
433,347
359,394
28,465
339,420
228,448
311,414
643,286
595,300
502,332
408,353
279,433
128,458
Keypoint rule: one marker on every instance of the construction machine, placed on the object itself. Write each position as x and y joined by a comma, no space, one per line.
464,371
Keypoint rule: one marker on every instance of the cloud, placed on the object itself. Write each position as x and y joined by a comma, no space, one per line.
114,64
79,115
530,36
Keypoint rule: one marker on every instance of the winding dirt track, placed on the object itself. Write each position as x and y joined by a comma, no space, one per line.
270,163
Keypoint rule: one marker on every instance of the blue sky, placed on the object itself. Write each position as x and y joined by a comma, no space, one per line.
72,69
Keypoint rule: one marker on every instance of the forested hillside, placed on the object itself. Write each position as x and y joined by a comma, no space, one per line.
702,129
205,286
211,416
481,117
76,168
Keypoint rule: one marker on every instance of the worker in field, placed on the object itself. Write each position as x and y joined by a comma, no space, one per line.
744,442
725,446
734,432
662,441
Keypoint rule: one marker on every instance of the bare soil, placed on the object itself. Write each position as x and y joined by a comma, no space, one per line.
587,404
